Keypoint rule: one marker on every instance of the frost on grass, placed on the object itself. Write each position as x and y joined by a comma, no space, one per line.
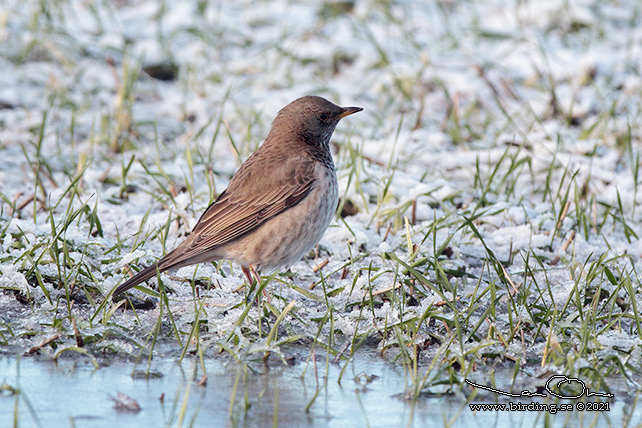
494,171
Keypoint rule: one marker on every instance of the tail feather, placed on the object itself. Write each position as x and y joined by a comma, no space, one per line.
172,260
175,259
142,276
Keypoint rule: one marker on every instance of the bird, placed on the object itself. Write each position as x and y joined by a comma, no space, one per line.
277,205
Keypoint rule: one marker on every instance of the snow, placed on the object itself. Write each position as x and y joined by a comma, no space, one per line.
498,63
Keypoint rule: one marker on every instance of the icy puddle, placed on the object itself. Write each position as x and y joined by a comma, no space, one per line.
75,393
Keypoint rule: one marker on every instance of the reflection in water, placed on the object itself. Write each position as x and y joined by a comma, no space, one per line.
75,393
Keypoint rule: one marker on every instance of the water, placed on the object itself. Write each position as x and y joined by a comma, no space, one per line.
75,393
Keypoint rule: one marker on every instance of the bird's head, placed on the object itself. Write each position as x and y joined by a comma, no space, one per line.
312,119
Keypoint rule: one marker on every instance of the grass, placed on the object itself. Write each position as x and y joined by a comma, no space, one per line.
495,227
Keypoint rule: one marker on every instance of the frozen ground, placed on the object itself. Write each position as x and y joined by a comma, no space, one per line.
495,171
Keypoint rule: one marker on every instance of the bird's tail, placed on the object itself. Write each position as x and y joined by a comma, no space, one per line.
175,259
145,274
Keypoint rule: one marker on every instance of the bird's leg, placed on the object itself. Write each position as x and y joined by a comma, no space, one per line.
256,275
246,271
248,275
258,280
249,272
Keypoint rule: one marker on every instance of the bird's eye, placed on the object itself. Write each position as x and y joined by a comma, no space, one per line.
323,116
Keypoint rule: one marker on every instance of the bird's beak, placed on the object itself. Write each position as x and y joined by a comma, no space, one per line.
347,111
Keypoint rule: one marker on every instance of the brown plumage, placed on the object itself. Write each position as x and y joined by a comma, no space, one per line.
277,205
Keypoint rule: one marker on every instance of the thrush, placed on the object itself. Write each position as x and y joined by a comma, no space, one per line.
278,204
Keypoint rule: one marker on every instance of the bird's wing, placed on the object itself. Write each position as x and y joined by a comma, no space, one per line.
250,200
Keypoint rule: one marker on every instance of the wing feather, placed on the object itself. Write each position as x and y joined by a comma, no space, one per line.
243,207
